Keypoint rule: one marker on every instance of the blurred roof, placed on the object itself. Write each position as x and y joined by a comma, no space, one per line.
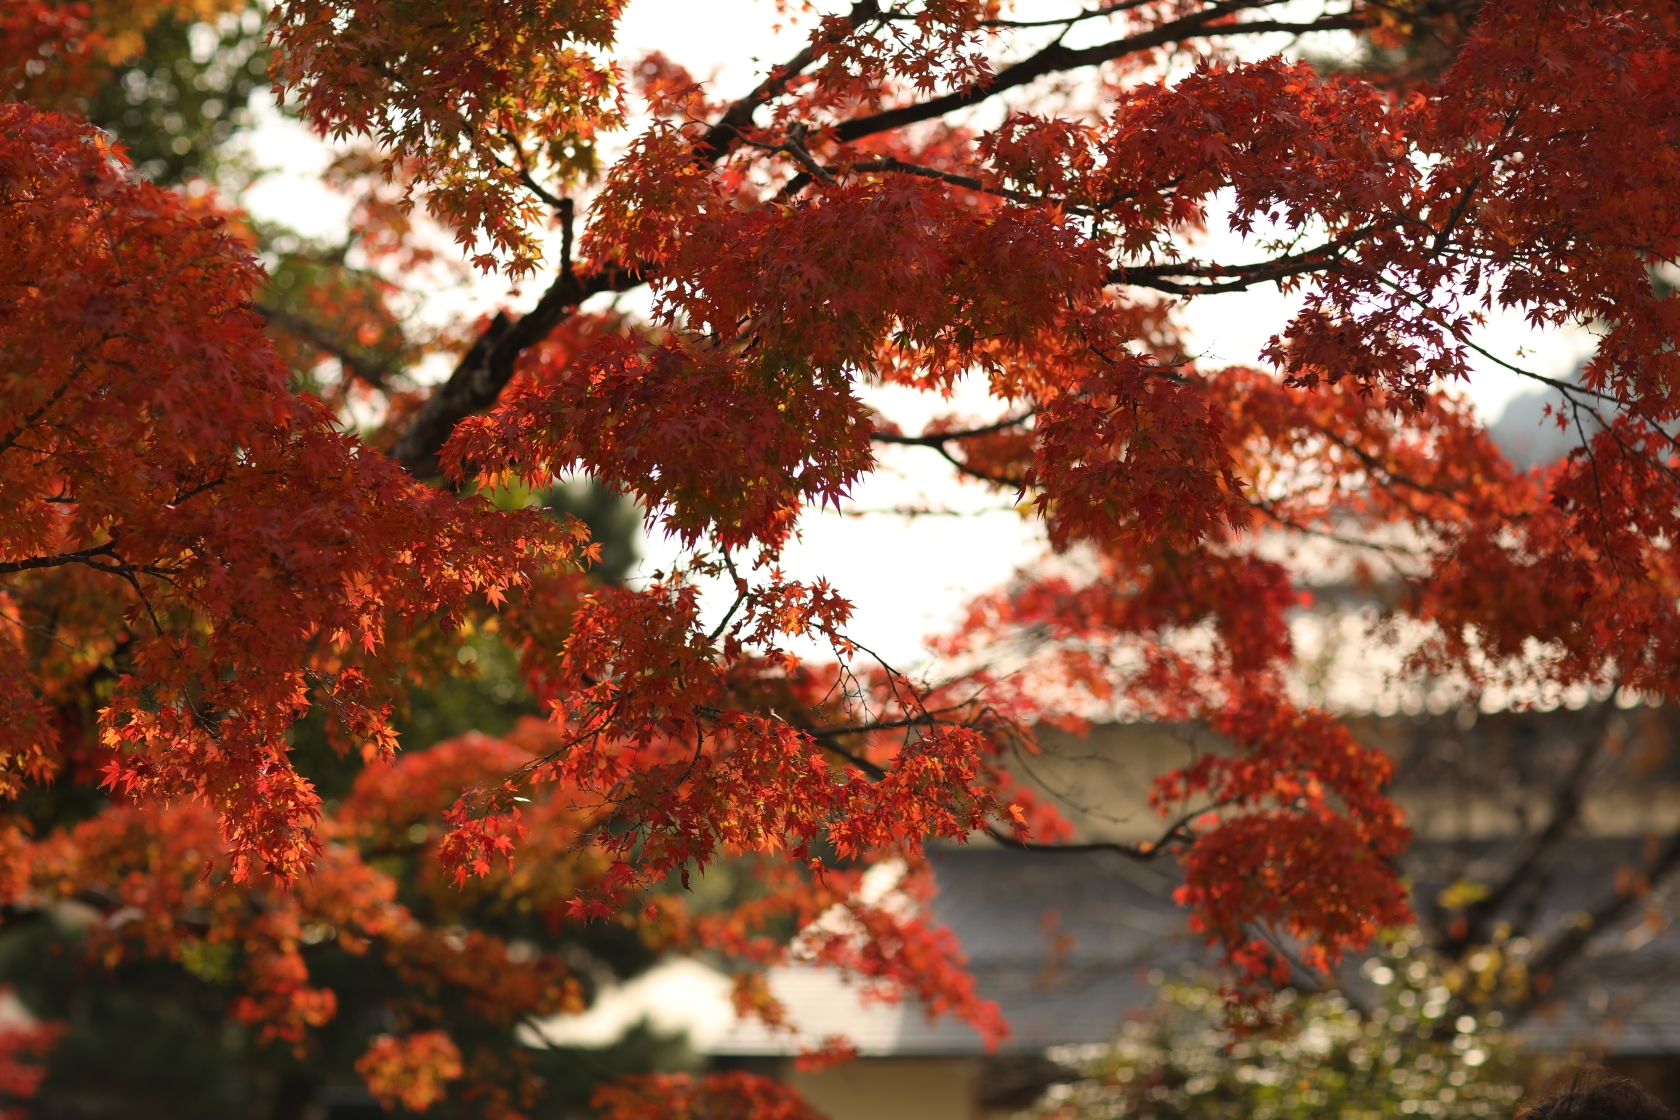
1064,943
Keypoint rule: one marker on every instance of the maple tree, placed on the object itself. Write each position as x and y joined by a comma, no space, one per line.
201,543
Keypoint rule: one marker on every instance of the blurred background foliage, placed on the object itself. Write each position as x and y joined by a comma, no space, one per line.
1400,1042
176,104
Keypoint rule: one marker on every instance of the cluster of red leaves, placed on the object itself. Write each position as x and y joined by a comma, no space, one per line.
152,872
650,705
147,868
411,1072
23,1052
739,1095
167,491
46,53
675,775
473,97
647,416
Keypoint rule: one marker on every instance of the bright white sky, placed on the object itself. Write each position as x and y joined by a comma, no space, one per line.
907,577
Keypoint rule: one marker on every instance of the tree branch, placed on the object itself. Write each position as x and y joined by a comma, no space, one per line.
739,116
488,366
939,439
1064,21
1057,58
1568,798
86,556
1568,944
301,327
1178,831
1238,277
939,442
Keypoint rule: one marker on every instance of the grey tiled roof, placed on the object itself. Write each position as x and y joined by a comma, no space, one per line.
1064,942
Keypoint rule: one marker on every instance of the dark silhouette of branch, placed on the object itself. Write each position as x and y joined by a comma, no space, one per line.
940,439
303,328
1213,279
1057,58
1568,944
1144,851
88,556
488,365
1568,798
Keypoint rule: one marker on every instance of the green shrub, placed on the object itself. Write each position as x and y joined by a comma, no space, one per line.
1412,1050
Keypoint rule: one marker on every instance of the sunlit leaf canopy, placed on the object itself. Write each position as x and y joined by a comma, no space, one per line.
205,538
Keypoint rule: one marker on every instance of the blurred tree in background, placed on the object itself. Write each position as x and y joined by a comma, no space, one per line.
1404,1044
175,105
